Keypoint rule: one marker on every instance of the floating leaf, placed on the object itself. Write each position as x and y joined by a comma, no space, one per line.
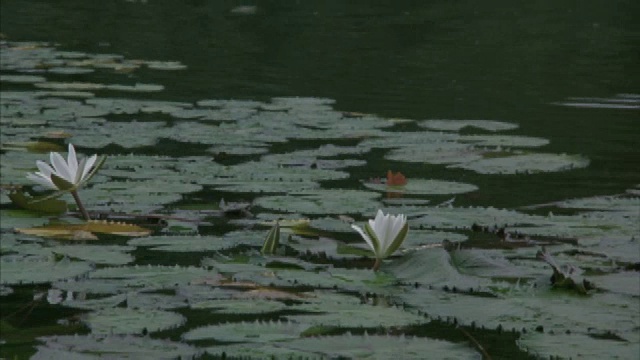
50,205
570,345
34,146
18,269
239,306
322,202
457,125
81,231
116,320
424,187
256,332
383,347
259,351
525,164
120,346
155,277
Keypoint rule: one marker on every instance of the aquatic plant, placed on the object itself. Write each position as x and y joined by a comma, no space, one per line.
271,241
67,175
384,234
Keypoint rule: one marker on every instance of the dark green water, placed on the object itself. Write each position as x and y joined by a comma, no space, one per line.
418,60
498,60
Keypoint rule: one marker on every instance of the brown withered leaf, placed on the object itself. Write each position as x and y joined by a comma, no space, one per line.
86,231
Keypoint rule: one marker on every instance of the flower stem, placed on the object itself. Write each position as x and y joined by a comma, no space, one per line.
83,211
377,264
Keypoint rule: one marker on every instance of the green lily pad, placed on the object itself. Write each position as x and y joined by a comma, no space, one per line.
525,164
457,125
383,347
259,351
81,302
130,321
424,187
97,254
562,345
255,332
154,277
121,346
22,79
503,141
17,269
237,306
322,202
197,243
358,315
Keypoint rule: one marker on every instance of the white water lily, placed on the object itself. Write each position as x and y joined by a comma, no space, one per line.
384,234
67,175
73,173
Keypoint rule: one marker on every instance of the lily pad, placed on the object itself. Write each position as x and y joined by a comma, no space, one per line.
121,346
154,277
237,306
526,163
83,231
383,347
333,201
457,125
197,243
110,321
255,332
424,187
562,345
18,269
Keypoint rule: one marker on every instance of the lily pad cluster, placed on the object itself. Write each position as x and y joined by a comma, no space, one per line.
204,276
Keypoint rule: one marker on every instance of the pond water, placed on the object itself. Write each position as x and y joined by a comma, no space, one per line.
515,125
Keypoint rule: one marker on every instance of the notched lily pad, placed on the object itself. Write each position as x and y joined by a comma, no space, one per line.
131,321
423,187
255,332
19,269
86,230
457,125
383,347
525,164
117,346
322,202
50,205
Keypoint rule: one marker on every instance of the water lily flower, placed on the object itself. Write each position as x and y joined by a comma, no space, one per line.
70,171
384,234
66,175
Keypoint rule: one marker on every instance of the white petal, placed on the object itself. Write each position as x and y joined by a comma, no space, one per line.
364,236
379,225
44,168
396,227
88,165
42,180
72,162
60,166
81,167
